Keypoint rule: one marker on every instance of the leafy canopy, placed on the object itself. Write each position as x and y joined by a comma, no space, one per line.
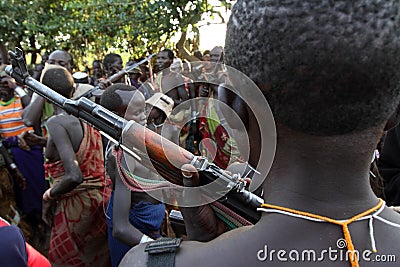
92,28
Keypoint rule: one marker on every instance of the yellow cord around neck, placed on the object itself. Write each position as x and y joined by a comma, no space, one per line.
350,246
6,103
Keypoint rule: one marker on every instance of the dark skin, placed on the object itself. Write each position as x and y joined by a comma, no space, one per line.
145,73
167,130
124,199
28,138
114,67
111,69
7,87
326,175
213,74
61,58
298,181
172,83
329,191
98,70
247,117
66,135
135,76
33,111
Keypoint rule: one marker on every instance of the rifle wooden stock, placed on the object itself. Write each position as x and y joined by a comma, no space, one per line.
166,153
167,157
157,152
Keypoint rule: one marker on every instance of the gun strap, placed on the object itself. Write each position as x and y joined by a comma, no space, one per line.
161,252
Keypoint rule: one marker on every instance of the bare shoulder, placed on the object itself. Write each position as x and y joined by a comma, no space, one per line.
187,252
65,128
390,220
135,257
193,253
56,119
63,120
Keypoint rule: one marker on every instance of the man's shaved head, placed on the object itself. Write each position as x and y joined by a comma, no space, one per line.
330,67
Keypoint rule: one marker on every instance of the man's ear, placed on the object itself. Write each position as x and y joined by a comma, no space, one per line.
393,120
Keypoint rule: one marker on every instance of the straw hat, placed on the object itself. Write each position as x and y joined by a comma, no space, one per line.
161,101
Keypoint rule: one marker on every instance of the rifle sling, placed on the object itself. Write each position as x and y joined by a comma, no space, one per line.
161,252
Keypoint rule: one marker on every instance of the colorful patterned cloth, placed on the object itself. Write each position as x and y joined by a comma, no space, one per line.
79,232
30,163
222,150
146,217
11,123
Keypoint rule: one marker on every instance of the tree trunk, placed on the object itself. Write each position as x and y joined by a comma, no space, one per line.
184,53
4,59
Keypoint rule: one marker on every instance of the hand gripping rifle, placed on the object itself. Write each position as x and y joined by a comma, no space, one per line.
114,77
165,156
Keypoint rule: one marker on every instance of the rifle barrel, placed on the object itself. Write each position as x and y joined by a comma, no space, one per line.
165,156
115,77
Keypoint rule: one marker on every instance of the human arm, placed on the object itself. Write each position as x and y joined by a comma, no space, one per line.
32,139
72,177
33,111
28,139
103,83
182,95
237,107
201,223
123,230
25,98
61,142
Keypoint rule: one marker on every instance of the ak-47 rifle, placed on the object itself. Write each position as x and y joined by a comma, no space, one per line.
114,77
165,156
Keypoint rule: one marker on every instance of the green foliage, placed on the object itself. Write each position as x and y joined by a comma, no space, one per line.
92,28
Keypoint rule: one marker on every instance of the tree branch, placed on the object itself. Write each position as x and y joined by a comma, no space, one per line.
180,46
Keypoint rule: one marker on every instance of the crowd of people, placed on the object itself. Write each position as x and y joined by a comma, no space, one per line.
71,196
66,177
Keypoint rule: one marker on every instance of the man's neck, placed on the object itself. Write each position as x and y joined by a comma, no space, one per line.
324,175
